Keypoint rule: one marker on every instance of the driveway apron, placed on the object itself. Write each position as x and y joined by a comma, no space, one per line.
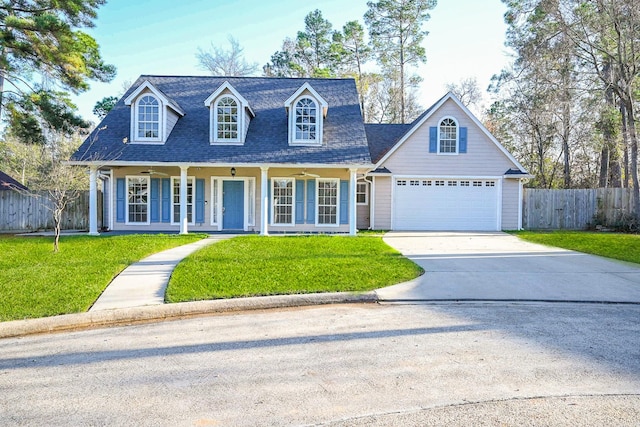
495,266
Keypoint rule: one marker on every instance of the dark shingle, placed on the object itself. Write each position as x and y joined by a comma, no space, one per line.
8,183
344,139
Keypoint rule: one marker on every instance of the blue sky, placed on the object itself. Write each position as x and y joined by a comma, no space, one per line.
466,37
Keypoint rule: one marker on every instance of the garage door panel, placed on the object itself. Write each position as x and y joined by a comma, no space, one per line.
430,204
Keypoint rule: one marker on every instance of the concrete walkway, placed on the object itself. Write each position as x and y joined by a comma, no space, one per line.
494,266
144,282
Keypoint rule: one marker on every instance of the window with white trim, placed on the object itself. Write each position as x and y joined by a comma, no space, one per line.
251,201
214,201
138,200
148,118
306,119
362,193
226,119
282,195
327,201
175,199
448,136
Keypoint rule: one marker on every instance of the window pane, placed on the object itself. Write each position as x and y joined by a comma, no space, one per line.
283,201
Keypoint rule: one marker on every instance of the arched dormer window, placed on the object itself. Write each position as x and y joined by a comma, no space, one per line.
229,116
226,119
306,111
448,136
306,120
148,118
153,114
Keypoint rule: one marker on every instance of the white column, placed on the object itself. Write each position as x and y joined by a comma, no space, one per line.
184,220
93,201
264,194
352,203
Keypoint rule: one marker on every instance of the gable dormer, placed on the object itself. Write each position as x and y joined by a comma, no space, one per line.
153,114
229,116
306,111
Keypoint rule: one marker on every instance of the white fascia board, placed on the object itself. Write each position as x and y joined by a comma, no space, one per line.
307,87
100,163
156,92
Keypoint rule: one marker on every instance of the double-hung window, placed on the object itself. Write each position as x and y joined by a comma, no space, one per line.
283,199
306,116
148,118
448,139
137,200
362,193
175,199
328,201
226,122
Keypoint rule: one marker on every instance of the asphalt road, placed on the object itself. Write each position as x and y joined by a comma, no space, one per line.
340,365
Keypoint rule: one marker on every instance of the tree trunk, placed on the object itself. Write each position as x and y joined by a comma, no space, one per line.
625,138
633,161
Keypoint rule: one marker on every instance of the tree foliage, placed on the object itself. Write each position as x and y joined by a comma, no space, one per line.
105,105
221,62
395,29
41,39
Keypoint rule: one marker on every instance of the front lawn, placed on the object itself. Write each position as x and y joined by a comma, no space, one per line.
36,282
258,265
624,247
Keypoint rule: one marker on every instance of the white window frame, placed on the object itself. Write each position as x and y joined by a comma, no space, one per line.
293,202
216,202
457,137
213,112
136,120
190,180
318,122
148,182
366,192
337,182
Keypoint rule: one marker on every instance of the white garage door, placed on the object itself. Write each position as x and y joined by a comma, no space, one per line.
445,204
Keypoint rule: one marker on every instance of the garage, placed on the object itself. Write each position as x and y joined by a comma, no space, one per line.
471,204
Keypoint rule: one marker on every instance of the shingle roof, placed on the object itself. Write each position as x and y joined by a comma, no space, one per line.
344,138
8,183
382,137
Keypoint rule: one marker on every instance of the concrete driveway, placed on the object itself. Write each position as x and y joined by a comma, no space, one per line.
498,266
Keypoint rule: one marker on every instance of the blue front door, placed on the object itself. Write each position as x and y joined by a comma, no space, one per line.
233,205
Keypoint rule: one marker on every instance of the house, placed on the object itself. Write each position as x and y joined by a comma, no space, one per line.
292,155
8,183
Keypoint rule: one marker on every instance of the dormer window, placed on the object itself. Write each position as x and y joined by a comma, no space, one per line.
230,115
148,120
226,119
306,111
306,120
153,114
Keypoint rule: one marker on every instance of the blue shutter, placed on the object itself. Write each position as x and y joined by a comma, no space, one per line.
463,140
166,200
155,202
311,201
433,139
199,201
344,202
120,199
299,201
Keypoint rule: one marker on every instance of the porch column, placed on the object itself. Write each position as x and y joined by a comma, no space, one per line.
93,201
264,194
352,203
184,220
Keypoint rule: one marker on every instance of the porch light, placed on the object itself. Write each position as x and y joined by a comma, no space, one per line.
233,172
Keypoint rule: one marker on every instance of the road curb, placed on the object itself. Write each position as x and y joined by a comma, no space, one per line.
66,322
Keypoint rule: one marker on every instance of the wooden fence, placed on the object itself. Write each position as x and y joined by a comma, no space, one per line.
575,209
31,212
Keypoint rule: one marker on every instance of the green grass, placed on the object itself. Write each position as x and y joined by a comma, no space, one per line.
36,282
624,247
258,265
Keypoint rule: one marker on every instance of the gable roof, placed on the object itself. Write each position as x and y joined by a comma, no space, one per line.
388,148
157,92
8,183
344,139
